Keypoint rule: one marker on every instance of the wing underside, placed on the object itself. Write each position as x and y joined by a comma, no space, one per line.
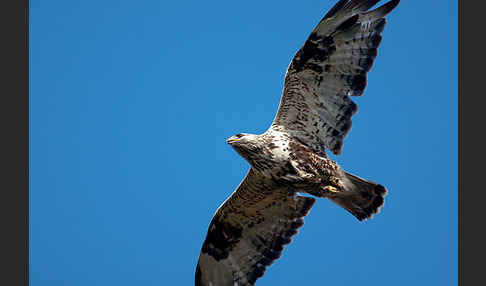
249,232
330,67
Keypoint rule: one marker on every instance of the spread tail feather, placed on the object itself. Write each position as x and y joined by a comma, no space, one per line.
360,197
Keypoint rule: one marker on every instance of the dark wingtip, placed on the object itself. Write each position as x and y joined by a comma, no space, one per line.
309,202
348,23
360,5
198,280
389,6
335,8
380,26
386,8
358,84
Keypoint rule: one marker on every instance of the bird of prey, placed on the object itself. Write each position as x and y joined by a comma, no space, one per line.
250,229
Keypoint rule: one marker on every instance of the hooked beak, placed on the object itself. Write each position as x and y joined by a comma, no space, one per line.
232,140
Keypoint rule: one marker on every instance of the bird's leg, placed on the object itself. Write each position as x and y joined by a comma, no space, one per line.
325,190
329,172
331,186
330,189
329,181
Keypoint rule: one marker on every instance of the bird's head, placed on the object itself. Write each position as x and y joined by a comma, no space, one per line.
241,140
247,145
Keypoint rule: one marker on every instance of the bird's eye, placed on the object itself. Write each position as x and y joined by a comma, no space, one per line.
239,135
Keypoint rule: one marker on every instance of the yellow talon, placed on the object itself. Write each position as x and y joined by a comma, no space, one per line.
331,189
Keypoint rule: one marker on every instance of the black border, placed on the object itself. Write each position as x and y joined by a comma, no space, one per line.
14,132
15,161
460,221
471,170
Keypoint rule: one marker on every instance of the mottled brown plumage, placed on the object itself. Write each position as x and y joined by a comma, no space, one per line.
251,228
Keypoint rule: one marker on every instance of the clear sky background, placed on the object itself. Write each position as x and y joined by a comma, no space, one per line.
130,106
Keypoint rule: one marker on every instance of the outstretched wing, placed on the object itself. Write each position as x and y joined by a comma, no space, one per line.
248,232
329,68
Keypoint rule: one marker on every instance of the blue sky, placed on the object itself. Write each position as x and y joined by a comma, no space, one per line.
130,106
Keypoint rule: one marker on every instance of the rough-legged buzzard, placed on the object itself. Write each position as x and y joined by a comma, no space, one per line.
249,230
